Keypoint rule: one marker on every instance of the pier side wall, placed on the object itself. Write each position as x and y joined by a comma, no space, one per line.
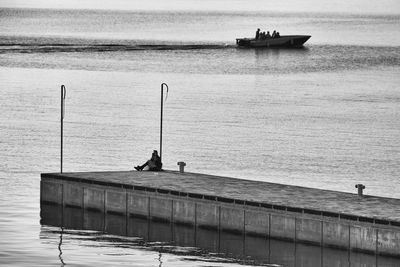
236,218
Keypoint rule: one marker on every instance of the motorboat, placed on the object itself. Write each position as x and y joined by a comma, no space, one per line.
281,41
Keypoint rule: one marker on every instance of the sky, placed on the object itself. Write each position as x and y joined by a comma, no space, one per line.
336,6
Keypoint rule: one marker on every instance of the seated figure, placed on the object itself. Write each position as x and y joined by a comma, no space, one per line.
153,164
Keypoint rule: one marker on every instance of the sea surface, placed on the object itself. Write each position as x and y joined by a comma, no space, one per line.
325,116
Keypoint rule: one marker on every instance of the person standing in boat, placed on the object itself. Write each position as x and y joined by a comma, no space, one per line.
274,34
153,164
258,33
268,35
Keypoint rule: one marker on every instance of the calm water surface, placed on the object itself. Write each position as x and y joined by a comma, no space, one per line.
326,116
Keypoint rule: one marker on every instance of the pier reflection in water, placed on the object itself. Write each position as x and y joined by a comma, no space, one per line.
187,240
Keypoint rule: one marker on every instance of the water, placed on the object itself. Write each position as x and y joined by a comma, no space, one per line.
326,116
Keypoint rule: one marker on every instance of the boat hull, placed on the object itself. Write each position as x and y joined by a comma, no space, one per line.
282,41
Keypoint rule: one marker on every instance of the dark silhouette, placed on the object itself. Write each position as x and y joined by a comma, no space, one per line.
153,164
268,35
257,34
274,34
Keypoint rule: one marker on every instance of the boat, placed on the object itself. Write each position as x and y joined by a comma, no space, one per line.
281,41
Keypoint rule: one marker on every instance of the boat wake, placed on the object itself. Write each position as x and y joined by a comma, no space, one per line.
54,48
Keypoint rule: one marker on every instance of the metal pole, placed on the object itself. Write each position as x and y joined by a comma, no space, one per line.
161,117
63,94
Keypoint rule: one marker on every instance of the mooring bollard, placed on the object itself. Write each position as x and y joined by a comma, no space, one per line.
181,166
360,187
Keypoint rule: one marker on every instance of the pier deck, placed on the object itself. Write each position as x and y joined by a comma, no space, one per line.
377,208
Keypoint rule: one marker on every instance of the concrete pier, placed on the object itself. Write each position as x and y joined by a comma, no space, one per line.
320,217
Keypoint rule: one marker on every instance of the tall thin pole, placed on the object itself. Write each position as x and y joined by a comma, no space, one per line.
161,117
63,94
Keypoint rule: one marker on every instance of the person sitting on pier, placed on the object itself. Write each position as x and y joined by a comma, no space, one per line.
153,164
258,33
